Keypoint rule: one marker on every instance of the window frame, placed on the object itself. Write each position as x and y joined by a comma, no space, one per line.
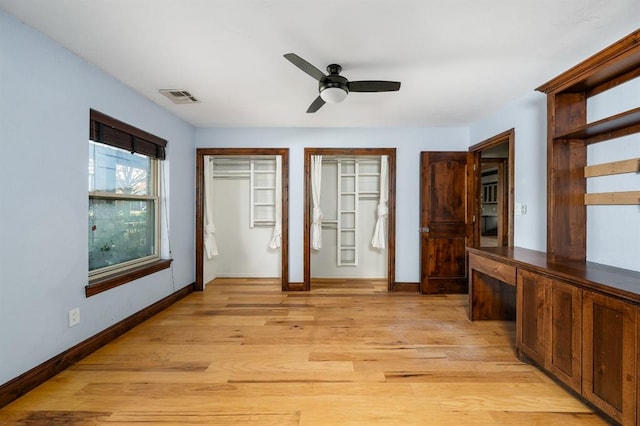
116,134
153,196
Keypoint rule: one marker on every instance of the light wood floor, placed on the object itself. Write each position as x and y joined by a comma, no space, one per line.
244,353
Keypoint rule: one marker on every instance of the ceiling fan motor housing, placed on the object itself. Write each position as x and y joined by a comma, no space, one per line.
334,81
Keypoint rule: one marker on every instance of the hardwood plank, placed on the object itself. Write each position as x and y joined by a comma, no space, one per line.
243,352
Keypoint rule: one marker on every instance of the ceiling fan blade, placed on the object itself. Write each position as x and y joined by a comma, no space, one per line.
305,66
374,86
315,105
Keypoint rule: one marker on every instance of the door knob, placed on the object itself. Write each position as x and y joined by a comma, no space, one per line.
424,229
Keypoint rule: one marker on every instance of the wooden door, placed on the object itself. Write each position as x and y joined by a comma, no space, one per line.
530,315
564,338
444,221
609,356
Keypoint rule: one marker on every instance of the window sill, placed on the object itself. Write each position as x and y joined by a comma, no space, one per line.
117,279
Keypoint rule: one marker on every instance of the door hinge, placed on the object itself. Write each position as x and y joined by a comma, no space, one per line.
473,219
474,167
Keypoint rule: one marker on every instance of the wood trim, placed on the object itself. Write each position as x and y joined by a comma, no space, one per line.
306,237
406,287
613,168
493,140
508,136
99,285
391,202
199,238
295,286
612,198
495,269
596,70
27,381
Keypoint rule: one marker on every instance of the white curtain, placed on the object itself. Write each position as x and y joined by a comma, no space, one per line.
276,239
379,233
210,243
316,180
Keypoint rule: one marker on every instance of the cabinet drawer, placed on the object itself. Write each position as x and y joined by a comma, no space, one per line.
495,269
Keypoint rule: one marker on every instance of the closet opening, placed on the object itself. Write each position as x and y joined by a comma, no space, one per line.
349,216
241,214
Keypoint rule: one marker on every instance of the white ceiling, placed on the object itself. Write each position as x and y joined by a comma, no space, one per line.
458,60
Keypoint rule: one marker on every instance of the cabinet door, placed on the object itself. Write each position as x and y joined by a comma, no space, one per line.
564,337
530,315
609,356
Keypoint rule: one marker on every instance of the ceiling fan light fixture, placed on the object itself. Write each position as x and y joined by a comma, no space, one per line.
333,95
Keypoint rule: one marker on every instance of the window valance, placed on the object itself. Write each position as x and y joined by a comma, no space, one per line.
109,131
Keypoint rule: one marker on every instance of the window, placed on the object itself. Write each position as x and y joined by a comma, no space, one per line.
124,203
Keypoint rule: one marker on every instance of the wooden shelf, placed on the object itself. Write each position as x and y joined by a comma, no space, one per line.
569,135
612,127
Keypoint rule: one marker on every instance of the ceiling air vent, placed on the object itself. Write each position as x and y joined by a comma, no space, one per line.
179,96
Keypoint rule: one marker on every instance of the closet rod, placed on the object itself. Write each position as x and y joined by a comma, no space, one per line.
361,160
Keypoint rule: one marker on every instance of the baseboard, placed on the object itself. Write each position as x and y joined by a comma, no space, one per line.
406,287
293,286
247,275
22,384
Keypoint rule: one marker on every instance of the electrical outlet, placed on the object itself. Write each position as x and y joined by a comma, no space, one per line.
74,317
520,209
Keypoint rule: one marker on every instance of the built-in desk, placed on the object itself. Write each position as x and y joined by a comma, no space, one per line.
578,321
501,262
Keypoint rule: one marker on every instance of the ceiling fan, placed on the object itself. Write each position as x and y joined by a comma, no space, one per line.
333,87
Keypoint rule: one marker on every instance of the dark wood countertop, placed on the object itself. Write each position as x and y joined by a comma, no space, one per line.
623,283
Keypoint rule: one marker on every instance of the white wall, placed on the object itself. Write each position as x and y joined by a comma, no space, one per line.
45,96
408,141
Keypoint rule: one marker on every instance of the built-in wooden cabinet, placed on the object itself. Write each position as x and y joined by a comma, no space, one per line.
578,321
531,315
609,356
563,356
549,324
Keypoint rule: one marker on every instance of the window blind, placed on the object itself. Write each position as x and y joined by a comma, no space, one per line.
109,131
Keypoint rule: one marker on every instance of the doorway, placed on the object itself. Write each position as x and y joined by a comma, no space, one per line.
354,169
494,190
261,210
